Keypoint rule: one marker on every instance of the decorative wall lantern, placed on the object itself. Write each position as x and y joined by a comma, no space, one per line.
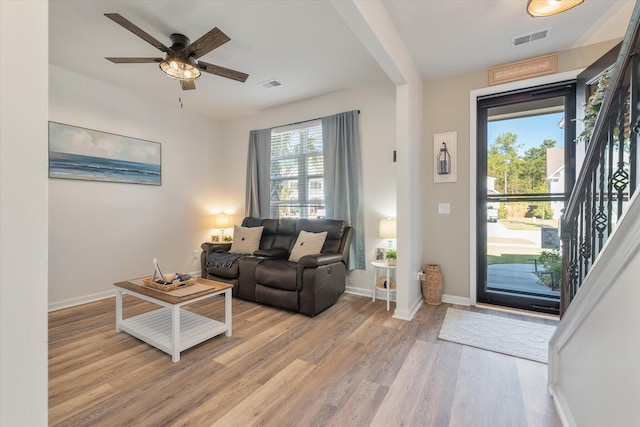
444,160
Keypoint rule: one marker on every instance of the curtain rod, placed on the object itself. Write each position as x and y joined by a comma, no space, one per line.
299,123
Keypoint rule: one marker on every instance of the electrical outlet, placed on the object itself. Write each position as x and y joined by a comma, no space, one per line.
196,254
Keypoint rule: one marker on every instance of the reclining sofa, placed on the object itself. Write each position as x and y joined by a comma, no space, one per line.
272,275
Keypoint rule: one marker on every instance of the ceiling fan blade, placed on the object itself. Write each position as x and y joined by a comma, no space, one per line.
222,71
205,44
133,60
188,84
124,22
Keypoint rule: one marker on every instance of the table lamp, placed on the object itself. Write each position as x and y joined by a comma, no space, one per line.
387,229
221,222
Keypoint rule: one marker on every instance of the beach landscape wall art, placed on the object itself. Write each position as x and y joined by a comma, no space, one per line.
86,154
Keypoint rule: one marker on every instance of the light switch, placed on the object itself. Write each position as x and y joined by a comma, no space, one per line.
444,208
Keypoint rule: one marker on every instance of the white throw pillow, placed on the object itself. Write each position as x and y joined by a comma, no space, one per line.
307,244
246,240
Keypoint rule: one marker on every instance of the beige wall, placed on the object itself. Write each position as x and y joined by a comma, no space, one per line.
101,232
109,232
376,103
447,108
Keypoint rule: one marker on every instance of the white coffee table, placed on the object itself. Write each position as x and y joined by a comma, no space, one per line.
170,328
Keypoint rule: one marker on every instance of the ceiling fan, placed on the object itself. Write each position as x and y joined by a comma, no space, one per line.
180,62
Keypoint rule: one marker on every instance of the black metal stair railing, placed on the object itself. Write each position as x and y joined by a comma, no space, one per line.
608,176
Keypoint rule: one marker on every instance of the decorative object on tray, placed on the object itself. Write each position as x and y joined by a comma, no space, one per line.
181,280
167,282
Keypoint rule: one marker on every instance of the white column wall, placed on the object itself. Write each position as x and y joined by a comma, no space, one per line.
371,23
23,213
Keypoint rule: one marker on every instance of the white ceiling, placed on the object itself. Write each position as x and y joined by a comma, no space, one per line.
306,44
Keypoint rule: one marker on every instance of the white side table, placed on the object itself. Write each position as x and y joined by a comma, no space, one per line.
384,267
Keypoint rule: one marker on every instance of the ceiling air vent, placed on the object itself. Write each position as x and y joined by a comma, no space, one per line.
270,83
531,37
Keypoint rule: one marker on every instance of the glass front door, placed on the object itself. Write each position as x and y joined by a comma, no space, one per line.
525,171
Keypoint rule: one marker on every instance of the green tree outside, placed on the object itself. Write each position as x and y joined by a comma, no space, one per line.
515,173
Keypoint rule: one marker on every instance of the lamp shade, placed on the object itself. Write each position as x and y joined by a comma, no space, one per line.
550,7
387,228
222,221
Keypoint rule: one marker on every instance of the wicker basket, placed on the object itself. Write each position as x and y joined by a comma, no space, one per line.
432,285
166,288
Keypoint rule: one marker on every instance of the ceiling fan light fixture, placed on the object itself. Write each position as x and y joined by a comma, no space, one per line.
179,68
550,7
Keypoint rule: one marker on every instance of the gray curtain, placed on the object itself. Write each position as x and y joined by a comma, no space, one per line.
343,178
258,173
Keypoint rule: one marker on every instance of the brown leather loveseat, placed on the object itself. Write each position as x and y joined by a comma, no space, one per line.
273,275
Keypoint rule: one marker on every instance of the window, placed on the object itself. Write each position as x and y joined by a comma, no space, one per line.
297,172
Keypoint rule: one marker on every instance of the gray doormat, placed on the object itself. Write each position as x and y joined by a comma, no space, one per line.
527,340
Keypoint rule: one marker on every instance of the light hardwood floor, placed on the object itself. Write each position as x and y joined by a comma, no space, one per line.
352,365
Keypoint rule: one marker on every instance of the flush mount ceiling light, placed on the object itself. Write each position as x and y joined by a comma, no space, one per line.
177,65
180,68
550,7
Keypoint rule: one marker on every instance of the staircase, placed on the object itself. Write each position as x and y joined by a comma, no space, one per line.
594,371
608,178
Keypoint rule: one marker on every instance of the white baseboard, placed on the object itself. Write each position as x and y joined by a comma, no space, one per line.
90,298
81,300
562,406
357,291
380,294
453,299
408,314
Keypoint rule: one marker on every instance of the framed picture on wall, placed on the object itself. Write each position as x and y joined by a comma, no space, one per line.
92,155
380,255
